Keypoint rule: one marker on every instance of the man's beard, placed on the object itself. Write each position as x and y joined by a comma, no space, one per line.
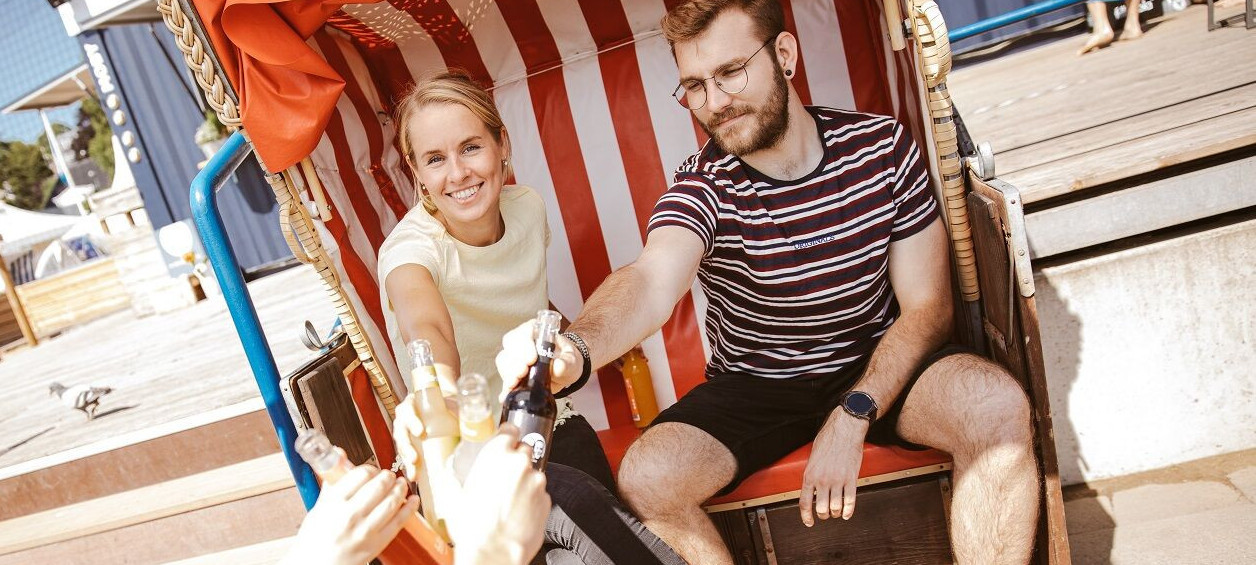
769,122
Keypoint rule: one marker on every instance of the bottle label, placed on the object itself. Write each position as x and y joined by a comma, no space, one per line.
478,430
632,400
537,442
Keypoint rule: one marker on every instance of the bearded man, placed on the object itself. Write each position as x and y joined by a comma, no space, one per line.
817,240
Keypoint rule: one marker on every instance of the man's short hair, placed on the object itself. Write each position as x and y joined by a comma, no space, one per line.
689,20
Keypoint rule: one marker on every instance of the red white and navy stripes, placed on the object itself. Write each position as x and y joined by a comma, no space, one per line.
797,272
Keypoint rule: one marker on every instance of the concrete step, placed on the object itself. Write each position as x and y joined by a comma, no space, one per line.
222,509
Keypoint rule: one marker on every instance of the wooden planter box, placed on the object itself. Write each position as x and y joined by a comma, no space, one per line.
72,297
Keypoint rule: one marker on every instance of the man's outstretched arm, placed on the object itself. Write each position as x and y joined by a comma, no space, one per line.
631,304
919,270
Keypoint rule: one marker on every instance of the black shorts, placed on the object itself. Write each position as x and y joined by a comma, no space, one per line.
761,420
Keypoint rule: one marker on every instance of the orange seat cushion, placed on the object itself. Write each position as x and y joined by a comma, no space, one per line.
786,475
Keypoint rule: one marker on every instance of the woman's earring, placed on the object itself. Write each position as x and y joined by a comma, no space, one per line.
421,196
788,73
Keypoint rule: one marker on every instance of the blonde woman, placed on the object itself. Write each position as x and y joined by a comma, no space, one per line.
468,265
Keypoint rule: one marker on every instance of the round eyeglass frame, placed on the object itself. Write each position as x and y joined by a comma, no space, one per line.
681,94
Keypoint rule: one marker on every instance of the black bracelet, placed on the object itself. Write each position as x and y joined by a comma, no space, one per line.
585,371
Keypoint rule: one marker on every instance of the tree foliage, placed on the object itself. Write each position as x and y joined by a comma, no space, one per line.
94,135
23,170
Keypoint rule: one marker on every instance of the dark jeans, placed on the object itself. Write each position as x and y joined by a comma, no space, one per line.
587,524
575,445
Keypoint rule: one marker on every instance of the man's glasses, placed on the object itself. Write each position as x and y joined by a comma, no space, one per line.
692,93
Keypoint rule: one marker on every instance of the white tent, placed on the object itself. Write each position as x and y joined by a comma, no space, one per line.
23,230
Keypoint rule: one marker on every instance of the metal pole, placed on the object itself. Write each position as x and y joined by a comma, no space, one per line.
1009,18
218,248
58,158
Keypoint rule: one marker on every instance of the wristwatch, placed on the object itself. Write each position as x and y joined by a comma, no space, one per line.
860,405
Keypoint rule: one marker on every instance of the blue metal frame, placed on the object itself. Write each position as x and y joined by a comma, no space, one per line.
208,219
1009,18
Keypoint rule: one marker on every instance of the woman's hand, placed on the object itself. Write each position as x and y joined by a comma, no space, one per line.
407,430
501,518
354,518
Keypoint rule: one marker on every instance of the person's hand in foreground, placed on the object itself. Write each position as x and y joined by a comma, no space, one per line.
501,518
407,429
354,519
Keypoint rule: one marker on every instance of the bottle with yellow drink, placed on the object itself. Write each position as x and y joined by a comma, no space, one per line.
440,435
475,422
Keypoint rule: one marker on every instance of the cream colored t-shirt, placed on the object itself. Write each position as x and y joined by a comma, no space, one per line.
488,290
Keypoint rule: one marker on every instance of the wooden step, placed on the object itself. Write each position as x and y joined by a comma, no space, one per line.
156,454
204,493
265,553
207,531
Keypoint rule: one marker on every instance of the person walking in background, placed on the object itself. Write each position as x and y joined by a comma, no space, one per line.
1101,32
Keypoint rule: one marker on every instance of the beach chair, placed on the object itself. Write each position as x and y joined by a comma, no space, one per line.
583,86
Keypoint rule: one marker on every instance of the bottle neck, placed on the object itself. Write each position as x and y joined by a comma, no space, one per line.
539,375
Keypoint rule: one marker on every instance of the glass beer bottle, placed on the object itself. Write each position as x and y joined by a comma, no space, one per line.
475,422
530,406
440,435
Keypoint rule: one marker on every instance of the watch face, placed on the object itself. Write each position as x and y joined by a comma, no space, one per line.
859,403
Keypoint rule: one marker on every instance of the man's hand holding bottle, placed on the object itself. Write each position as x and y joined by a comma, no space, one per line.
518,354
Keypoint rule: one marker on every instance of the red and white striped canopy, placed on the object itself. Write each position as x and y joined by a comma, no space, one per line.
584,87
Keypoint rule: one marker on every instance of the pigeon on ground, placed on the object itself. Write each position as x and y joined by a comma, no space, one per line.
85,398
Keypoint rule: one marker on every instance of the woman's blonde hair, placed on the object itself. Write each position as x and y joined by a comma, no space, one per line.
446,87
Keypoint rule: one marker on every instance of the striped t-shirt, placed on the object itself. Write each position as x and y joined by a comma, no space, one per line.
796,272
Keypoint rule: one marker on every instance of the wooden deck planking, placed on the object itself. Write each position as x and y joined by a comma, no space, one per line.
1137,156
1077,117
163,368
1215,106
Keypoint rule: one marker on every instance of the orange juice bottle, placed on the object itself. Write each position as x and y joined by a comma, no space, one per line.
640,389
416,543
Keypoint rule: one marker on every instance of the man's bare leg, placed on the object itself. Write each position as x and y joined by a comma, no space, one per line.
1101,33
1133,29
666,476
972,409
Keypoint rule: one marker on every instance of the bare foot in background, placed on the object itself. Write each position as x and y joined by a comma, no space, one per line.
1132,30
1101,33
